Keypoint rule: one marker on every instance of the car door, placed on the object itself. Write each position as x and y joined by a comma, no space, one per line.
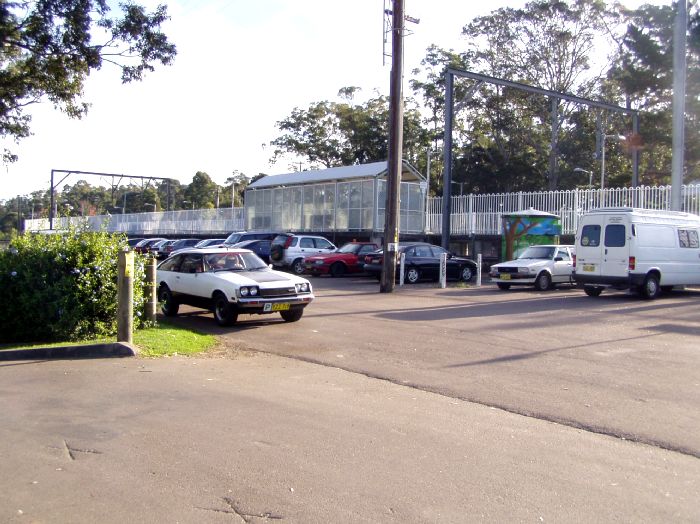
561,269
359,262
422,258
191,274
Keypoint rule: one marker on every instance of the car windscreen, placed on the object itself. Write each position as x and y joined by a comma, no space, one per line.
538,252
239,261
350,248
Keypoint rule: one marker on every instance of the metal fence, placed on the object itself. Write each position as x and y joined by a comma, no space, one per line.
197,221
471,214
481,214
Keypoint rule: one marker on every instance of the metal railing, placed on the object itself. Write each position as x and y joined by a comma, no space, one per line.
471,214
481,214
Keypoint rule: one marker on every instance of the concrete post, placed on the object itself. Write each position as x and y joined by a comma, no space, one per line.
125,296
150,290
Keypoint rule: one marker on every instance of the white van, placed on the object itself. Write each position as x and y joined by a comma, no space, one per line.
642,249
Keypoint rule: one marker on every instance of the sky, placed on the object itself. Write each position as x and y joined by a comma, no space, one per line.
242,66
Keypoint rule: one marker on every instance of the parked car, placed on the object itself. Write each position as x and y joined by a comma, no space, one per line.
240,236
210,242
162,249
133,241
540,266
348,259
144,246
229,282
259,247
289,250
181,244
422,261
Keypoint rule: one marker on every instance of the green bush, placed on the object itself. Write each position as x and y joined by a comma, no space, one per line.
63,287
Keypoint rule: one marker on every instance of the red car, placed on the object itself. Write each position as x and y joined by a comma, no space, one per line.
347,259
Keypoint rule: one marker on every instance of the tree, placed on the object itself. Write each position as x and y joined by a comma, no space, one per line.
331,134
50,46
201,192
237,184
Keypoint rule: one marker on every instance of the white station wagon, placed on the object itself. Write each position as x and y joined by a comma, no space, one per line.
541,266
229,282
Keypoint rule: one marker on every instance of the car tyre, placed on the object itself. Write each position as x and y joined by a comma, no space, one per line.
292,315
543,281
224,312
168,305
592,291
337,270
466,274
503,287
412,275
650,288
298,266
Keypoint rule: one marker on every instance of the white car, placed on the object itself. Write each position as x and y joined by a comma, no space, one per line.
229,281
541,266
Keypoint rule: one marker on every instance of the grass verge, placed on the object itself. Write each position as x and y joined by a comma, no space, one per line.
161,340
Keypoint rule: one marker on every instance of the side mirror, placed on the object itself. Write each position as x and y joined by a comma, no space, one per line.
558,259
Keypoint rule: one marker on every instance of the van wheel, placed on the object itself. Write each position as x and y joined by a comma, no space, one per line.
543,281
593,291
504,287
650,288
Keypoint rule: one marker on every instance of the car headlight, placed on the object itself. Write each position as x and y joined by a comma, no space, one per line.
303,287
251,291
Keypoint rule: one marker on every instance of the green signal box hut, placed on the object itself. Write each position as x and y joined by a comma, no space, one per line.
526,228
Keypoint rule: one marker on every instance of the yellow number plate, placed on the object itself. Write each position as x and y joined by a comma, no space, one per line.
589,267
282,306
504,276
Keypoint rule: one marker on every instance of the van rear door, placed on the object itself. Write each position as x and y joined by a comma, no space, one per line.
589,254
615,248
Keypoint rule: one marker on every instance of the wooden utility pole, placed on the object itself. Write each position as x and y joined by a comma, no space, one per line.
125,296
394,164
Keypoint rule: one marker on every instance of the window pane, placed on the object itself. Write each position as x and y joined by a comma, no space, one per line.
615,235
590,236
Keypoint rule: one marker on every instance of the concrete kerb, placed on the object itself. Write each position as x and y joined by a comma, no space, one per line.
110,350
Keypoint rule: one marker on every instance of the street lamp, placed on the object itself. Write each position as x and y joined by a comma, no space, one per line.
149,205
188,202
589,173
602,156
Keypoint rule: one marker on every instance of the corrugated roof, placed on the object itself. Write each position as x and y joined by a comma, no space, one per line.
316,176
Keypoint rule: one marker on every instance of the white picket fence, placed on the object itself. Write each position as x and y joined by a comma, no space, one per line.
471,214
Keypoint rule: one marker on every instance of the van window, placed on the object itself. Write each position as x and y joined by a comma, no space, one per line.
615,235
688,238
590,236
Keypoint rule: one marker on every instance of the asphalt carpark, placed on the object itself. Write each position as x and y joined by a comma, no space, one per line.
429,405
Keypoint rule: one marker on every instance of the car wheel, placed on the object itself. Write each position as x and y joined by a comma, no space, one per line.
337,270
168,305
504,287
224,312
543,281
298,266
650,288
292,315
593,291
466,274
412,275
